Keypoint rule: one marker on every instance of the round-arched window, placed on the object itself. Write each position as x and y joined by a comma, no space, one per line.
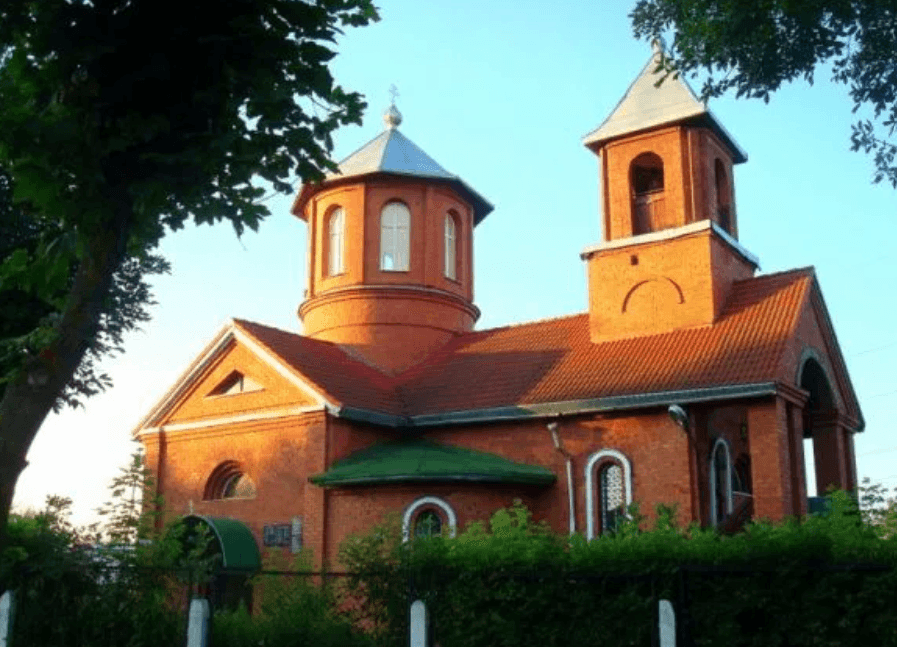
229,481
395,238
646,178
612,500
723,196
427,523
428,516
608,491
720,482
336,224
450,246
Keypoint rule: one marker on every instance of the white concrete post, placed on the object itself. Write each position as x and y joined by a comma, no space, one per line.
418,624
7,615
198,623
666,623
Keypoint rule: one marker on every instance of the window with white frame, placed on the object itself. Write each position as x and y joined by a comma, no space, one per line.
451,246
608,491
720,482
428,516
395,224
335,233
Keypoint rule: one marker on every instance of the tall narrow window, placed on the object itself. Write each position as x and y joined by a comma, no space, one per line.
720,482
335,229
395,222
451,246
648,210
723,197
612,506
608,491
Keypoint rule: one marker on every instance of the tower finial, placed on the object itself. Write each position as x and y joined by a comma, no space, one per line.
658,45
392,117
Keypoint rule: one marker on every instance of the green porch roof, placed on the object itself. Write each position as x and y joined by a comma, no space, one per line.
418,460
234,541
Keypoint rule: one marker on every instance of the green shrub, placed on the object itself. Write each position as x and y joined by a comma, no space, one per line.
293,610
73,593
827,580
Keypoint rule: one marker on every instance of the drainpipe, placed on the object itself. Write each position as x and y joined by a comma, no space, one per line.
559,446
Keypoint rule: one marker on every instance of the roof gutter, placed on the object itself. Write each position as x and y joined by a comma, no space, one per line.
568,407
424,478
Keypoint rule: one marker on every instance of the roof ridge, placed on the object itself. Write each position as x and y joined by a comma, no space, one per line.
532,322
808,270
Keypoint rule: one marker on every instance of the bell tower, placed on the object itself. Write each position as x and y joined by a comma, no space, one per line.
669,251
390,252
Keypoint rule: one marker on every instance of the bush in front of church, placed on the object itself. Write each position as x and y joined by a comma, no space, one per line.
825,580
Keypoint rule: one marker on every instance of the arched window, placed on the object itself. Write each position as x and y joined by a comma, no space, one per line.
335,235
427,517
720,482
395,222
229,481
608,491
450,239
723,196
646,177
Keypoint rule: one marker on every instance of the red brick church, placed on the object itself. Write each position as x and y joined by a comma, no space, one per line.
690,380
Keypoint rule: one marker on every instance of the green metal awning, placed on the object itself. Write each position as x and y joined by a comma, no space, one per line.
234,542
421,460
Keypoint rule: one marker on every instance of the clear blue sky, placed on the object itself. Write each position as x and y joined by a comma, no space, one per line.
501,94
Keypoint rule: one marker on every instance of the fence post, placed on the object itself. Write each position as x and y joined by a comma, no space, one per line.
418,623
666,623
7,615
198,623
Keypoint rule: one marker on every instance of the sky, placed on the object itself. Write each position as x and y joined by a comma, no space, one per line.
501,93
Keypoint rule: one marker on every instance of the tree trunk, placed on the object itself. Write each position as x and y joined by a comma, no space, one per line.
31,395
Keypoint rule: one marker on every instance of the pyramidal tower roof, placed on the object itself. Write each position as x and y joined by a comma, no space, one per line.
649,105
392,153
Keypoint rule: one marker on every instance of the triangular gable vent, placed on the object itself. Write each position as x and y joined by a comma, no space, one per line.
234,383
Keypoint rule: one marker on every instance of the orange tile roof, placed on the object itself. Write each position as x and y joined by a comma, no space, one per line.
554,360
336,375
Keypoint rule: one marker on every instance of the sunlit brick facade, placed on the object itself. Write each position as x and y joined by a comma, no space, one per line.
690,381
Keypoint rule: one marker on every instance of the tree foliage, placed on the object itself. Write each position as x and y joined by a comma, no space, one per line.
120,120
752,48
95,594
30,303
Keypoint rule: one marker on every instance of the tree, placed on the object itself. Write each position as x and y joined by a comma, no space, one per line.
27,312
119,121
752,48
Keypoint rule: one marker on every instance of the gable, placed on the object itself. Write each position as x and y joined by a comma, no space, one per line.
814,339
234,379
238,382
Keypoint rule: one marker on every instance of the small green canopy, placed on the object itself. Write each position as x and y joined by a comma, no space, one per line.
238,549
418,460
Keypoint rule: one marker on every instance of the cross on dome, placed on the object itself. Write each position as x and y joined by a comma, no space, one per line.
392,117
